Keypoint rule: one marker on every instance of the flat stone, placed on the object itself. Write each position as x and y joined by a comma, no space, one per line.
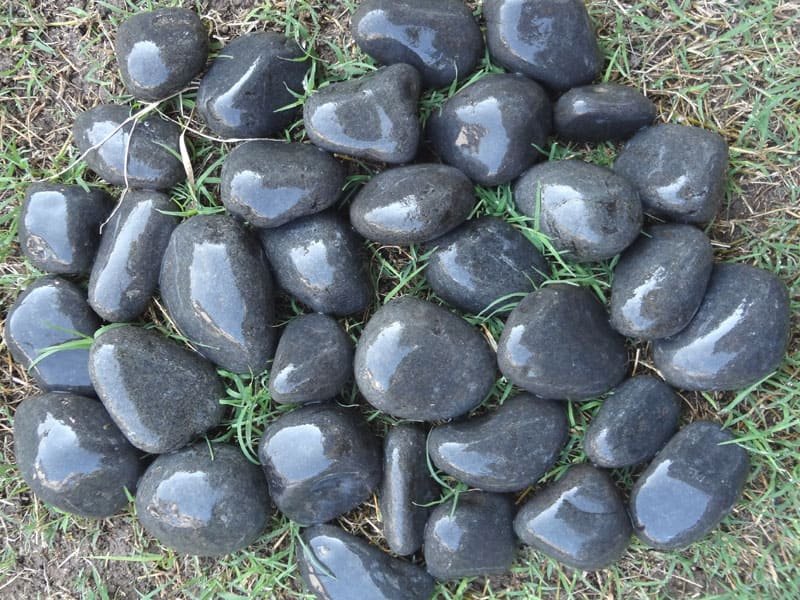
481,262
314,360
72,455
580,520
659,282
217,287
551,41
203,500
320,461
59,226
409,205
335,565
416,360
48,313
587,212
270,183
633,423
320,260
373,116
151,147
489,129
558,344
679,171
473,539
125,273
249,82
441,40
690,486
159,52
738,336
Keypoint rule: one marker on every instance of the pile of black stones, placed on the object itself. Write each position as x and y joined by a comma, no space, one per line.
711,326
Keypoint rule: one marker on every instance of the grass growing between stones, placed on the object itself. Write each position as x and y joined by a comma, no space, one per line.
729,67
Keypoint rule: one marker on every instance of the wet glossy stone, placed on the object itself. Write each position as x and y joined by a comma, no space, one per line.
335,565
59,226
72,455
152,147
125,273
551,41
320,462
320,260
159,52
482,261
203,501
633,423
679,171
587,211
48,313
313,361
489,129
270,183
475,539
160,394
373,116
580,520
409,205
738,336
558,344
690,486
441,40
659,282
416,360
217,287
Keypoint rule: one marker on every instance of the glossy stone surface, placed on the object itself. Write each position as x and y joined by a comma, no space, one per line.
738,336
587,211
416,360
482,261
320,461
59,226
159,52
335,565
125,273
217,287
47,314
320,260
551,41
313,361
580,520
690,486
473,540
489,129
160,394
409,205
633,423
203,501
373,116
152,147
440,39
659,282
679,171
558,344
72,455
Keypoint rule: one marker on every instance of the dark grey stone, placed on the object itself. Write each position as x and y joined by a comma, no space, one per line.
690,486
679,171
558,344
416,360
659,282
738,336
320,461
72,455
586,211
